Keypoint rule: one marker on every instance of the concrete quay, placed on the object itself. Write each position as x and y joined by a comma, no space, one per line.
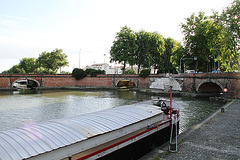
217,137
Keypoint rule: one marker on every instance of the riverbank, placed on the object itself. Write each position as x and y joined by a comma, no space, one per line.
217,137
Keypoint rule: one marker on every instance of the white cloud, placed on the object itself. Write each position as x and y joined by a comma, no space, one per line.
12,21
17,17
9,23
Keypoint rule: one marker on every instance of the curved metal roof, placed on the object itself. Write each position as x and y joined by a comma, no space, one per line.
35,139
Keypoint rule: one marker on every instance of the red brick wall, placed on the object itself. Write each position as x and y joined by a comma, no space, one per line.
3,82
234,88
71,81
187,85
144,82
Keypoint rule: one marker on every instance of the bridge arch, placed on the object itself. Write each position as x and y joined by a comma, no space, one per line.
126,82
210,86
29,82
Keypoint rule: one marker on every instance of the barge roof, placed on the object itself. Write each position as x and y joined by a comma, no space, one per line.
37,138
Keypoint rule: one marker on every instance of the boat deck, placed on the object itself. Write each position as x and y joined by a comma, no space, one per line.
119,141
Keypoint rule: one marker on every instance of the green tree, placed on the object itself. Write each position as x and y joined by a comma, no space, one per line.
15,69
157,49
123,48
204,38
52,61
176,56
143,49
171,46
145,73
210,39
28,65
191,40
229,19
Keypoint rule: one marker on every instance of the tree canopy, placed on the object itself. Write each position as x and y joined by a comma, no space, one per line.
143,49
124,47
52,61
209,42
28,65
204,39
213,39
229,19
47,62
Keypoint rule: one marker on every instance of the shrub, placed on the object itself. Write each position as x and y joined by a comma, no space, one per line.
130,71
94,72
144,73
78,73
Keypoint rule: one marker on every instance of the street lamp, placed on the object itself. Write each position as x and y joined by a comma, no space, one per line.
213,62
218,58
194,58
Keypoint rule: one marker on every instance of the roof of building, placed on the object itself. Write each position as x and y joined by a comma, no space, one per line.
34,139
100,64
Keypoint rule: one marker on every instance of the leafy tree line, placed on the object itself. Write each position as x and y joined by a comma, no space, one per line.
144,49
47,62
214,40
229,20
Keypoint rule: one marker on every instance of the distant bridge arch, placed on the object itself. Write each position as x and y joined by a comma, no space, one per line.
29,82
126,82
210,86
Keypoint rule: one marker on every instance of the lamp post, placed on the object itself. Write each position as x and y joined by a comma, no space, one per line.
104,57
194,58
171,83
180,65
218,58
104,64
214,65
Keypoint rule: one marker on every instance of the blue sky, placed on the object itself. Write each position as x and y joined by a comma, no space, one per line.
29,27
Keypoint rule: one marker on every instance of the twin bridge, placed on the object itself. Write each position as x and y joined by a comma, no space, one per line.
199,83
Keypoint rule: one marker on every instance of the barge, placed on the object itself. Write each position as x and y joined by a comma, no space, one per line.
125,132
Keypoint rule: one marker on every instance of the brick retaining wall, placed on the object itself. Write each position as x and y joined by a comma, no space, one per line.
191,82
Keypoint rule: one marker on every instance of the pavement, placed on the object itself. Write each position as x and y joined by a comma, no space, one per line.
215,138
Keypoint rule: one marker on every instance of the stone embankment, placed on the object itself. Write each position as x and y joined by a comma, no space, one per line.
217,137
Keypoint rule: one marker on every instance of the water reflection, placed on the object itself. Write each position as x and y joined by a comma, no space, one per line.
16,109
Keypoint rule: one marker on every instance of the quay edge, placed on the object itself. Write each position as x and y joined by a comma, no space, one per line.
212,138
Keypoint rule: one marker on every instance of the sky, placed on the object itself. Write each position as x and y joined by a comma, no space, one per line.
86,29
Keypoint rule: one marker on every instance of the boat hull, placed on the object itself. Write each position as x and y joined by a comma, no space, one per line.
134,146
141,147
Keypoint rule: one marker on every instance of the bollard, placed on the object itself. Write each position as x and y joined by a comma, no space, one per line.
222,110
173,147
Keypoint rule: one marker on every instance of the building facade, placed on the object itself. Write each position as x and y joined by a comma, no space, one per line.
107,68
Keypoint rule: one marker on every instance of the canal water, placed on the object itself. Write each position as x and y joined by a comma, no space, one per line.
20,109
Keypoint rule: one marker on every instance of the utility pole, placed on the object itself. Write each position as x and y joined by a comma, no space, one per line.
79,59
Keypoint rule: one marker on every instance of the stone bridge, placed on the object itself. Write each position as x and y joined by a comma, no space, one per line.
197,83
226,83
